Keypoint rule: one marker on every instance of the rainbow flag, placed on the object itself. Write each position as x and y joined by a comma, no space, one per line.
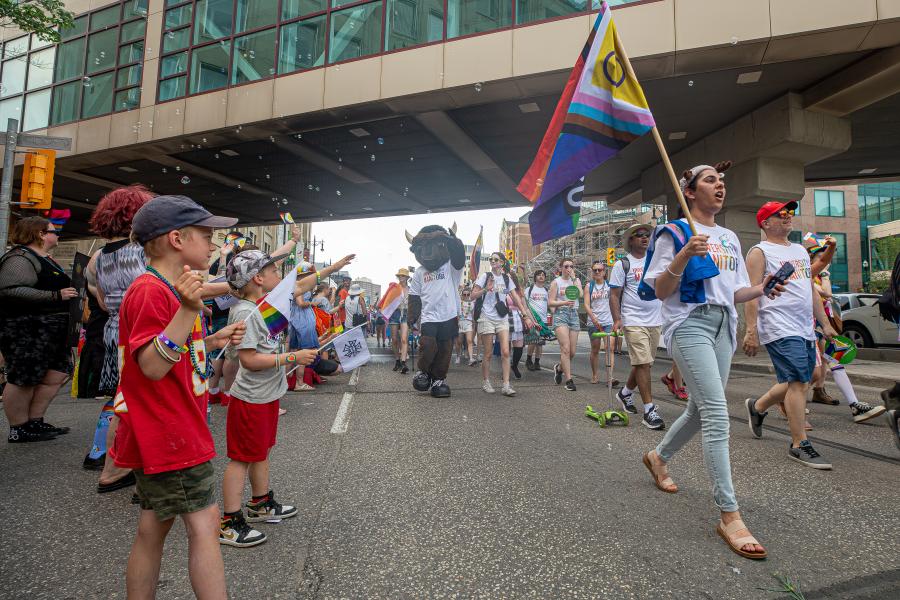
813,244
391,299
475,261
275,307
601,111
286,218
58,216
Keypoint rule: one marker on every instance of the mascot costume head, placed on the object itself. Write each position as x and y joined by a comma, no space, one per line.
442,256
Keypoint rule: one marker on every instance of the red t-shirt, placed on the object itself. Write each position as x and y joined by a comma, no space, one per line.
163,423
342,296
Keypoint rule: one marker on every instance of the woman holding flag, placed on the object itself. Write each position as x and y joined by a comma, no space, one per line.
394,306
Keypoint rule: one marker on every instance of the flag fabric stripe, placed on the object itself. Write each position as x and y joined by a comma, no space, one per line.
475,261
391,299
275,307
275,321
600,111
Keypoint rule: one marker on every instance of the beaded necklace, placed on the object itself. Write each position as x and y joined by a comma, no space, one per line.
195,362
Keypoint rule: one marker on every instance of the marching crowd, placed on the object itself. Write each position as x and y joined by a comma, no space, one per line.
171,331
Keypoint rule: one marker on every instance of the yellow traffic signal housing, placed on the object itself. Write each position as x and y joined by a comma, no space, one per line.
511,256
37,179
610,256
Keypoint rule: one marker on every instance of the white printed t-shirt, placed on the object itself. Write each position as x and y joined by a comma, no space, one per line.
438,291
725,250
791,313
600,302
539,298
489,308
635,312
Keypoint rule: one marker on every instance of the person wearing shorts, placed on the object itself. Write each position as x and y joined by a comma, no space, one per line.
599,318
466,327
566,323
536,298
639,319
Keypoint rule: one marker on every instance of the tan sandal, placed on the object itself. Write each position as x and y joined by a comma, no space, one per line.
304,387
666,485
727,533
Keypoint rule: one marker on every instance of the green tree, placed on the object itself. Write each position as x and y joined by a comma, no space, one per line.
42,17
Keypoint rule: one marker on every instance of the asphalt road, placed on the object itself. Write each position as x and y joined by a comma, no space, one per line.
477,496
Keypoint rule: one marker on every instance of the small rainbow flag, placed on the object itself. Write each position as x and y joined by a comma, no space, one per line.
286,218
392,298
275,307
58,216
812,242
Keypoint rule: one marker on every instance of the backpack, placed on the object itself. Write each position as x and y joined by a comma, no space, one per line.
889,302
479,302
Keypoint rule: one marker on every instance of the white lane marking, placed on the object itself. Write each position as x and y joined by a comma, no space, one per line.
343,415
354,378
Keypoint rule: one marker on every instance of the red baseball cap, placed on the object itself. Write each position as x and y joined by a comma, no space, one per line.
770,208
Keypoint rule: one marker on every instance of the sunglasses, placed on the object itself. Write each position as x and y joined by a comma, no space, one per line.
784,213
598,270
568,266
56,232
641,234
492,259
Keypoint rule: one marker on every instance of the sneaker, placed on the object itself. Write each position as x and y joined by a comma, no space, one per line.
557,374
457,359
94,464
487,387
820,396
754,418
515,370
396,365
537,364
20,435
893,417
570,385
39,426
652,420
669,383
682,393
422,381
807,455
267,508
473,362
234,531
403,368
529,364
507,390
862,412
627,402
440,389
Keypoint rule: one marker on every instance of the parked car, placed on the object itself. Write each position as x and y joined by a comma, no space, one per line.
863,323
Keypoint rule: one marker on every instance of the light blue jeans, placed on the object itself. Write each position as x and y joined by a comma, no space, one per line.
702,349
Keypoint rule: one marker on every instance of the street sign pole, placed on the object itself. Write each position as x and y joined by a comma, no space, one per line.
9,164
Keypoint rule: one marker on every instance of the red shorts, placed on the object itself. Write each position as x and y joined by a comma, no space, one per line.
251,430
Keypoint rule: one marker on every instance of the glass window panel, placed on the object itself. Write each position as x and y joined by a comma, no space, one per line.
104,18
209,67
177,40
837,203
15,47
65,102
291,9
253,14
528,11
136,8
413,22
465,17
179,16
174,63
97,96
213,20
70,60
133,30
11,109
132,52
129,76
254,57
37,43
13,81
40,68
174,2
172,88
127,99
822,203
101,53
355,32
37,110
78,28
302,45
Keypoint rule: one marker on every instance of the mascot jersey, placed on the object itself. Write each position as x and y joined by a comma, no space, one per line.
438,290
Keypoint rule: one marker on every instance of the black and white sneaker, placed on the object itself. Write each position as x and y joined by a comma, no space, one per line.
557,374
570,385
863,412
234,531
627,402
403,368
422,381
39,426
22,434
440,389
267,510
807,455
652,420
754,417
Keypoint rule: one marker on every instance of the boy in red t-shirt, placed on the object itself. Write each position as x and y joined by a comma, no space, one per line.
162,395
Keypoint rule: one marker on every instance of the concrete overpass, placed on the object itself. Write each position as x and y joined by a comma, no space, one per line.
791,90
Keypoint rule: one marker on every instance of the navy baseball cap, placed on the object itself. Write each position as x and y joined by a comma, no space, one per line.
163,214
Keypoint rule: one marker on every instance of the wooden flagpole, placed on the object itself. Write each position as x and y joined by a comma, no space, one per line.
626,63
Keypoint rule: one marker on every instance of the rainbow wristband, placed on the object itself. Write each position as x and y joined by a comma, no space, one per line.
290,358
171,345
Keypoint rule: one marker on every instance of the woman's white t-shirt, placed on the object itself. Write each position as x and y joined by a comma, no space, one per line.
725,250
352,307
561,285
539,297
600,302
489,308
791,313
466,307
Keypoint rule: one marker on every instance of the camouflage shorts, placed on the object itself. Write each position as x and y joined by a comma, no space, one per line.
177,492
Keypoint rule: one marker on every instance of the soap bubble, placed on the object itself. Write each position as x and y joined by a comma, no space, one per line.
339,192
381,141
185,180
691,83
372,158
478,86
86,81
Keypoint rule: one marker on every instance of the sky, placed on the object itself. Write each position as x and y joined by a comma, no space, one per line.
380,244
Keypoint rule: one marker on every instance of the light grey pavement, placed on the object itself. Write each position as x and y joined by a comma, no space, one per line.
480,496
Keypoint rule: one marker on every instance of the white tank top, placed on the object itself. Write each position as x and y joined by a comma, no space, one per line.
561,285
600,301
790,314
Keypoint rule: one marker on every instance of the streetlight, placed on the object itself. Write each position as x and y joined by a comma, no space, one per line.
320,244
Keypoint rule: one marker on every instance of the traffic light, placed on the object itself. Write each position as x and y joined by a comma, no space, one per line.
37,179
511,256
610,256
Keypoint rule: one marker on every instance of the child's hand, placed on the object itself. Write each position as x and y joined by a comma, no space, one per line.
231,335
305,357
190,289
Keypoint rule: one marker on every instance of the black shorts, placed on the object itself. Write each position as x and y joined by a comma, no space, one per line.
34,344
445,330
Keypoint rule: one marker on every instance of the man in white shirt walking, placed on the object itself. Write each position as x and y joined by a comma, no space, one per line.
640,320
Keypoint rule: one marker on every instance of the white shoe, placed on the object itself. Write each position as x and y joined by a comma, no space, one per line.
507,390
487,387
457,360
